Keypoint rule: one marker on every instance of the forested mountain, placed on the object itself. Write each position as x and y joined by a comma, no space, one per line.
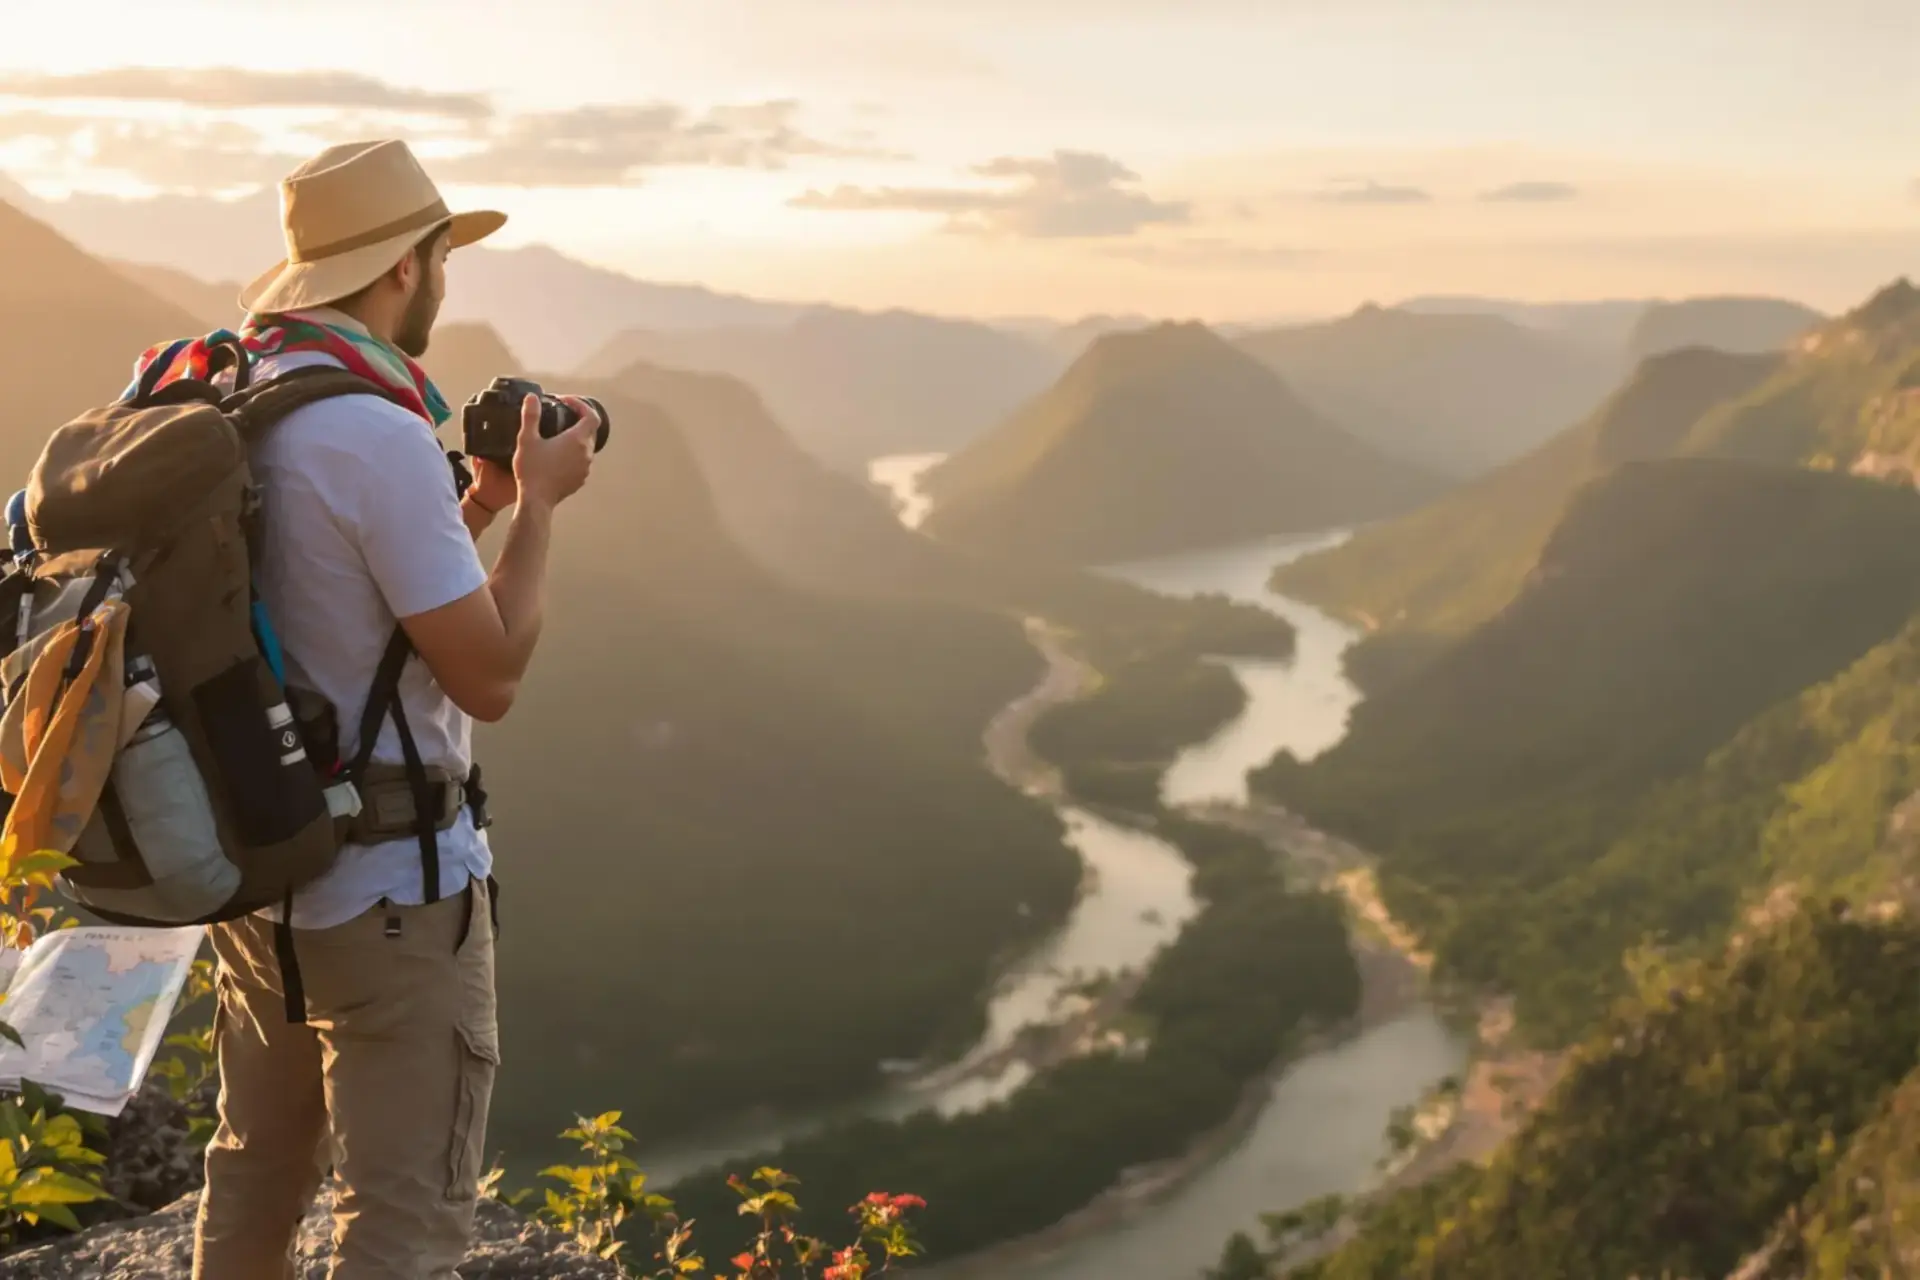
1843,398
1159,441
1751,325
851,385
1849,398
1431,576
1457,393
1721,1099
1678,601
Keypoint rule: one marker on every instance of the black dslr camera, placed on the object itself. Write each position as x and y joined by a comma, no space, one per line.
491,420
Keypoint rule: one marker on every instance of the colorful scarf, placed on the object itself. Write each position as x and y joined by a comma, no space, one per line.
360,352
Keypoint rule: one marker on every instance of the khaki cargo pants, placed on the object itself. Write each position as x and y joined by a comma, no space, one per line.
387,1084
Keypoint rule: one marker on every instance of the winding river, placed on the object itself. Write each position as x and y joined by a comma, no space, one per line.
1321,1127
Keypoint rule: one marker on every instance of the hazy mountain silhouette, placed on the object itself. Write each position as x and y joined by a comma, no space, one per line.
1070,341
1450,566
1729,324
464,356
1455,393
208,238
556,310
853,386
1603,322
1158,441
553,308
215,306
70,330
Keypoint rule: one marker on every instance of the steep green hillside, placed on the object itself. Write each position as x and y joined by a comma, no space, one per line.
1431,576
1706,1108
1727,324
1159,441
1848,398
1863,1220
1677,601
1817,791
1457,393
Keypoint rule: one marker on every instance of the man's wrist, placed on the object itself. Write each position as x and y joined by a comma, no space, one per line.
473,499
536,504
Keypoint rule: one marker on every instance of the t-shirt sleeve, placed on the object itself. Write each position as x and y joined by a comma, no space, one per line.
406,515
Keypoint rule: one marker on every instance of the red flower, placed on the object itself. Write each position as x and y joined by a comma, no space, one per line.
909,1202
744,1261
879,1197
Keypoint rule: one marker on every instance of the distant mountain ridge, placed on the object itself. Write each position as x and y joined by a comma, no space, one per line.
1160,440
853,386
1458,393
1736,324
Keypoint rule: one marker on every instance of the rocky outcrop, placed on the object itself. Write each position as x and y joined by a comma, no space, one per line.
160,1247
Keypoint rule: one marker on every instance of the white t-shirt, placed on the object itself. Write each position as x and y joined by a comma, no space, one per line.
361,525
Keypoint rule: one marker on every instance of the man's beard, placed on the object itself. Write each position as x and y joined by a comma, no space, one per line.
415,329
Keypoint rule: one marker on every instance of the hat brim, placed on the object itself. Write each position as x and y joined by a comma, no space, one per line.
289,286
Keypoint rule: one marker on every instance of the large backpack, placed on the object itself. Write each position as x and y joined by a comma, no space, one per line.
231,792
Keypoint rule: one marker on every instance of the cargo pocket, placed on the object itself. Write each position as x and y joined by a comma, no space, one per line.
479,1042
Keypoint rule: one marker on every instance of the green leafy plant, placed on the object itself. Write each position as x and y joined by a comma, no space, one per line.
596,1200
46,1166
189,1064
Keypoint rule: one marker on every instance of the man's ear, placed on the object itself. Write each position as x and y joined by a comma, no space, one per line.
406,272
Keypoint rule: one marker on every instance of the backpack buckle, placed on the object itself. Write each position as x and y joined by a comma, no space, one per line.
477,800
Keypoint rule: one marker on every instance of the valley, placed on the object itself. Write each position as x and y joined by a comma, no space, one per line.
1428,794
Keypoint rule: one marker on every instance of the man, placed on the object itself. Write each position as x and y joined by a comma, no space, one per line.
387,1080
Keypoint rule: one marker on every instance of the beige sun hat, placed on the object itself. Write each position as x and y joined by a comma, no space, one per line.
349,214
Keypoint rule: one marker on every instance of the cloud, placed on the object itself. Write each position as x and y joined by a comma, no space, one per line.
1068,195
1367,191
1212,253
607,145
1531,193
179,155
233,87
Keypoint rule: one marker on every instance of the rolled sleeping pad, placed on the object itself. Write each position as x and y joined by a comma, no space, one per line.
22,537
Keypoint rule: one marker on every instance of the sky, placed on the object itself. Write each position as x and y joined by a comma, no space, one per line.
1219,159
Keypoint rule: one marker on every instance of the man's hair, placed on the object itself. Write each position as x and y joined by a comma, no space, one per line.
422,252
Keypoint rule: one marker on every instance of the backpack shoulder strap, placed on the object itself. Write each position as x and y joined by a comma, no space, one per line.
261,405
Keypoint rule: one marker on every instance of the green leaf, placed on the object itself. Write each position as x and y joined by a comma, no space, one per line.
50,1186
7,1032
59,1215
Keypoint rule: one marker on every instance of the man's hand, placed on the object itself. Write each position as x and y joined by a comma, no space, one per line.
549,471
494,487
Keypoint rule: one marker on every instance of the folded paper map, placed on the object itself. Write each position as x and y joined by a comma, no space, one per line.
92,1005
